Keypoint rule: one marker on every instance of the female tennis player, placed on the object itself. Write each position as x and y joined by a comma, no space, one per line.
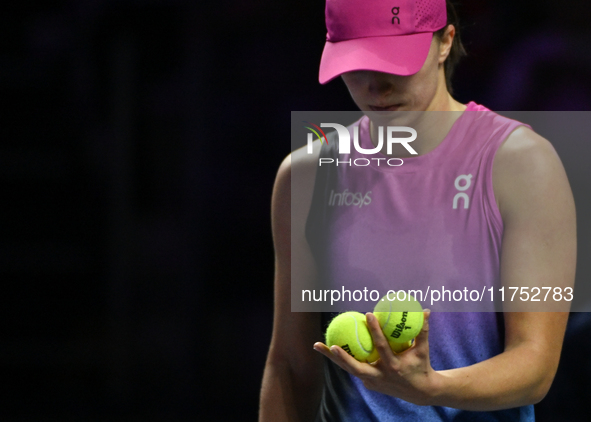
512,225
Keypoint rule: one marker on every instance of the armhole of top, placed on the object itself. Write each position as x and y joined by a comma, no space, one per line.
316,218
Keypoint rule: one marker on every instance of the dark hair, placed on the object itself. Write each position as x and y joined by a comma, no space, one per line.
457,50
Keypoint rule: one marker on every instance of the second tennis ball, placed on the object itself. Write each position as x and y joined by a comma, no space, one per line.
349,331
401,320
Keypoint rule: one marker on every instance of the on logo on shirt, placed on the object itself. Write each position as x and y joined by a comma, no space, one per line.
467,178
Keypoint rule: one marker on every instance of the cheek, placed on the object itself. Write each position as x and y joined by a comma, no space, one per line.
356,88
427,78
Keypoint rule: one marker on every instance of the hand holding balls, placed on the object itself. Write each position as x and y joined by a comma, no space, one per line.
401,321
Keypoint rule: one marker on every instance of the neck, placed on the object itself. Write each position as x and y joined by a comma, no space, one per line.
442,100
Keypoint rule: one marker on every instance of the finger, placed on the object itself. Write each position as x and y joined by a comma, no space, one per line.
379,339
331,353
322,348
343,359
348,362
422,340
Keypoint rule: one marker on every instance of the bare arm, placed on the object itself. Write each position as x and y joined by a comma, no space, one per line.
539,249
293,378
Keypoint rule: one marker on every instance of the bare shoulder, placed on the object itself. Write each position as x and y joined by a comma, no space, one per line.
527,172
525,151
539,228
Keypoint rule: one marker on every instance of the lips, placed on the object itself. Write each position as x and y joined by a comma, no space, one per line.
392,107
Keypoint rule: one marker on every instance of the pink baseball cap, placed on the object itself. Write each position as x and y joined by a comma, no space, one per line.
392,36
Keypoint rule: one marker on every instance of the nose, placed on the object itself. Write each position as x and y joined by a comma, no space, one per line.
378,83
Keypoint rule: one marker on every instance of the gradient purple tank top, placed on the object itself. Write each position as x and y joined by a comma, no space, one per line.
432,220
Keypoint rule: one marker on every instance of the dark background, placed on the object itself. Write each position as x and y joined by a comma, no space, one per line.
140,141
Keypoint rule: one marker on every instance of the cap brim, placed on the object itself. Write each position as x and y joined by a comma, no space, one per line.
399,55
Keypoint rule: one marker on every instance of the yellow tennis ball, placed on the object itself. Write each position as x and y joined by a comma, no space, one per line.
349,331
401,319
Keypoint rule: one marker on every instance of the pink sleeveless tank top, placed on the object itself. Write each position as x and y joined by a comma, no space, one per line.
428,223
